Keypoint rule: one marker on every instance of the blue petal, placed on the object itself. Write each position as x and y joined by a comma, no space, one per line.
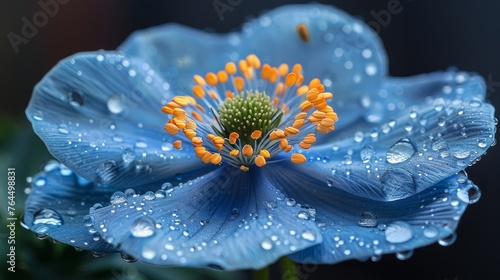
358,228
58,206
100,115
343,52
422,145
227,219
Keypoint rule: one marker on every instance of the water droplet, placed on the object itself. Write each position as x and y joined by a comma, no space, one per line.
166,146
376,258
97,254
367,153
235,214
404,255
148,253
290,202
141,144
88,221
308,235
475,103
266,244
63,129
371,69
398,232
431,232
461,154
117,198
128,156
40,181
115,104
368,220
482,143
128,258
440,145
149,195
108,171
75,99
46,219
397,183
142,227
401,151
469,194
160,194
449,240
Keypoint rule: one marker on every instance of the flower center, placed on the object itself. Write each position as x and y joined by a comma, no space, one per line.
246,113
248,127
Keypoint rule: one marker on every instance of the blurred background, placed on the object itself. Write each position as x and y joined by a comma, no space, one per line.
425,36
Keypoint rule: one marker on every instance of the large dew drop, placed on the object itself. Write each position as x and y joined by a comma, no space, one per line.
398,232
397,183
142,227
115,104
46,219
401,151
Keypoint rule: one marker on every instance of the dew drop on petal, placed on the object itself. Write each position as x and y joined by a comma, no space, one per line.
142,227
461,154
266,244
46,219
128,156
115,104
404,255
398,232
401,151
368,220
308,235
75,99
449,240
127,258
397,183
149,195
117,198
469,194
430,232
148,253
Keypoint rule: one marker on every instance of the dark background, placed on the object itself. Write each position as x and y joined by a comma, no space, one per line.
426,36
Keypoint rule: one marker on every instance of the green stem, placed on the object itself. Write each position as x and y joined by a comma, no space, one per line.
262,274
288,268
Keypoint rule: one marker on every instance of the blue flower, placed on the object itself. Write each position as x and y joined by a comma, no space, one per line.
217,185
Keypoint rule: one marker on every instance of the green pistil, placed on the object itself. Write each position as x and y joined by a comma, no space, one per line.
246,113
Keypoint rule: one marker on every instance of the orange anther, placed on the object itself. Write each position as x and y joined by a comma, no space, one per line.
283,144
303,32
211,78
197,116
283,69
215,158
240,83
222,77
291,130
260,161
180,100
297,69
189,133
234,152
199,80
177,144
233,136
265,73
197,141
290,80
298,158
256,134
230,68
265,153
167,110
171,128
244,168
302,90
304,145
247,150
